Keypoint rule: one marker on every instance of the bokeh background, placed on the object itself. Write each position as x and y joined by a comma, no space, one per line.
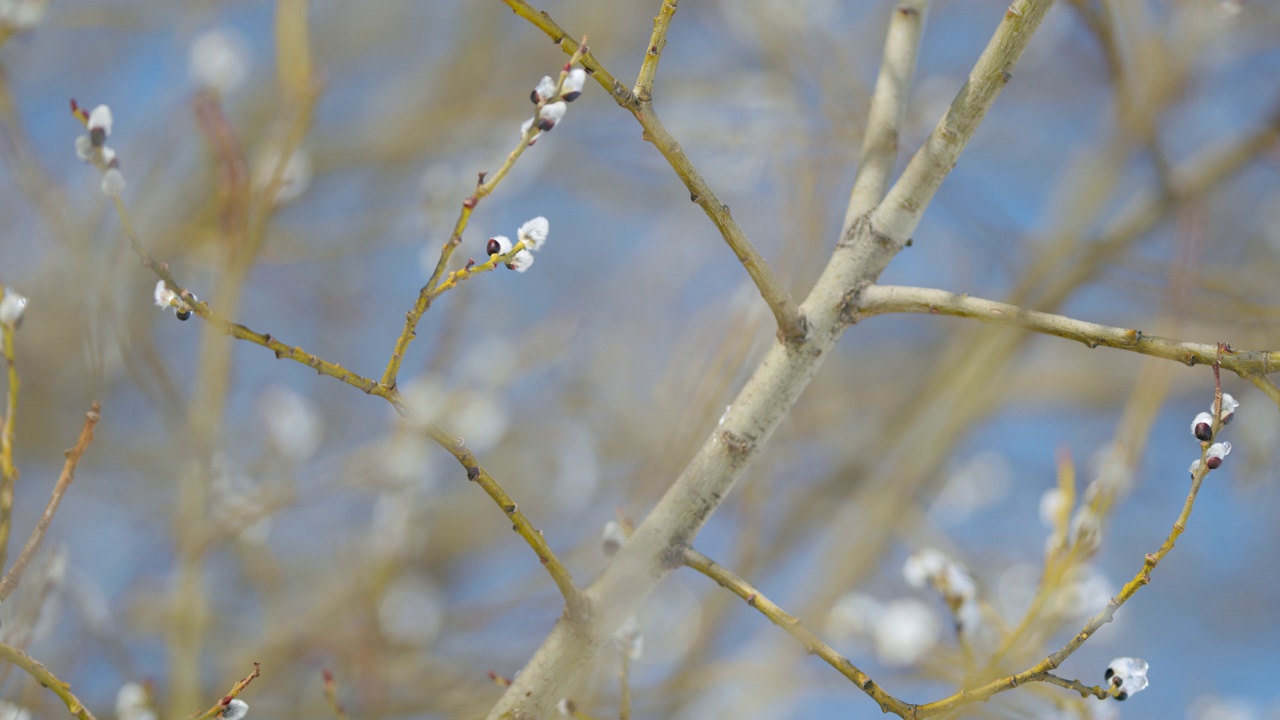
238,508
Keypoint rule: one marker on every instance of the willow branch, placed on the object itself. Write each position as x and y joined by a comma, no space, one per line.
655,548
1041,670
884,299
899,213
888,108
241,332
14,576
47,679
574,601
236,689
791,323
484,188
657,41
814,646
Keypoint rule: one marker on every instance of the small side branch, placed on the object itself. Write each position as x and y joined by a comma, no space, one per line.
236,330
486,183
791,324
657,41
888,109
236,689
884,299
1041,671
14,576
792,626
574,602
47,679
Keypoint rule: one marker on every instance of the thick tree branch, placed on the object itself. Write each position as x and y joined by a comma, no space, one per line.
888,109
900,212
656,546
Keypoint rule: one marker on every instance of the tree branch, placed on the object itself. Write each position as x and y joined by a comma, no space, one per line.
888,109
791,323
656,546
47,679
900,212
812,644
14,576
884,299
657,41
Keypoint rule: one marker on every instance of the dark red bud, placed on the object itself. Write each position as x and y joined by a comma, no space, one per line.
1227,417
571,96
1214,462
534,97
184,315
1204,432
492,247
545,124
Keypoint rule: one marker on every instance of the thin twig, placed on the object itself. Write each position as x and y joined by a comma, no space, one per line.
484,188
756,412
888,109
1042,669
236,689
657,41
1084,690
331,696
556,569
792,626
574,602
241,332
47,679
14,576
883,299
791,323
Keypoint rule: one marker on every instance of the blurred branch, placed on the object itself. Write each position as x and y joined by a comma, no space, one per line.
331,697
14,576
47,679
883,299
1268,387
814,646
888,109
236,689
657,41
528,136
791,324
8,471
574,601
775,386
1042,669
624,682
